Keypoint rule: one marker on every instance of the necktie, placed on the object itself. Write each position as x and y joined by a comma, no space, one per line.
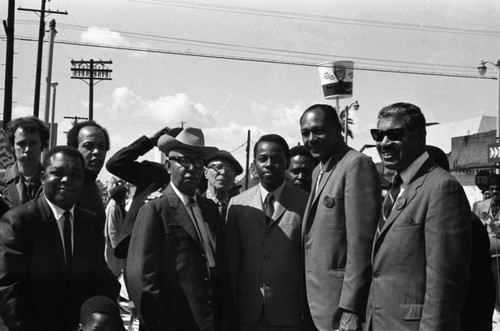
67,238
269,206
390,199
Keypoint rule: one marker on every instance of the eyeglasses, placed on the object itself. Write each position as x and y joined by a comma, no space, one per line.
186,161
392,134
219,167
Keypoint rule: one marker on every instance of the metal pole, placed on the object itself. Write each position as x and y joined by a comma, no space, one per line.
497,165
9,63
53,133
247,167
346,115
48,80
38,78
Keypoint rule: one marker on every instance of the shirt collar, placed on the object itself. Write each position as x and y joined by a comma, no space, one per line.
58,211
324,166
184,197
410,172
276,193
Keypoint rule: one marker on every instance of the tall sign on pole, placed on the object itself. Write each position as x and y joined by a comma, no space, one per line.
94,72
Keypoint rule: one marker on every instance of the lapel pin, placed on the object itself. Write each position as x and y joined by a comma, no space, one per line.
400,203
329,201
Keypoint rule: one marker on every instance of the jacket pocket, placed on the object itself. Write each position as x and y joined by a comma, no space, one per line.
411,312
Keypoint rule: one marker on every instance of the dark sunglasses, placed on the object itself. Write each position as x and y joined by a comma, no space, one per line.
392,134
186,161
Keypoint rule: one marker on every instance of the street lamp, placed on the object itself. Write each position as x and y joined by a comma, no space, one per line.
53,138
355,105
482,70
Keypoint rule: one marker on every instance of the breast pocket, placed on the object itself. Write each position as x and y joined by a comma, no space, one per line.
408,225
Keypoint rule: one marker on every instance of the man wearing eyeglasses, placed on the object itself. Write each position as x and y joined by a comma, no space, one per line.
339,225
173,258
220,172
421,250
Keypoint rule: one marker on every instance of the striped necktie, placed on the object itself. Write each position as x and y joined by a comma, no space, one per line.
390,198
269,207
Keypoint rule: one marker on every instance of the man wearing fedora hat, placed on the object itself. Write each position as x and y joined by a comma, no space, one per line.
172,261
220,172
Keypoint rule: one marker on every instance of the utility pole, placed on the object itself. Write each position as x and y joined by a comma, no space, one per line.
48,80
9,63
41,34
247,167
91,70
75,119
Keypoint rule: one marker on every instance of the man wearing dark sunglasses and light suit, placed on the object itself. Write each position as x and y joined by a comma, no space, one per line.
220,172
421,250
172,263
339,225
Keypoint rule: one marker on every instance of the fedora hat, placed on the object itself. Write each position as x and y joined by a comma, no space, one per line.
225,155
189,138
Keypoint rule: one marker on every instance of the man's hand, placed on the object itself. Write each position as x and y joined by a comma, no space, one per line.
154,138
350,322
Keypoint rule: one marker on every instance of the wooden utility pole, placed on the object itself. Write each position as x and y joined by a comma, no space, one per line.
48,80
9,63
41,34
91,70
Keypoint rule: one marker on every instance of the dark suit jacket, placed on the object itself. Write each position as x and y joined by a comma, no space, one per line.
421,257
338,230
264,260
12,188
167,272
36,291
146,176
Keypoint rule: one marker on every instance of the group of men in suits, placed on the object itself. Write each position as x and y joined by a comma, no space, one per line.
51,248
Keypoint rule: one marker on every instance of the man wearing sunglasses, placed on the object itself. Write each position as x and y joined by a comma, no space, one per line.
339,225
421,250
220,172
172,263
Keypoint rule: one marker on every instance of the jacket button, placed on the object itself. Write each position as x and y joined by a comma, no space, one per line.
376,274
266,257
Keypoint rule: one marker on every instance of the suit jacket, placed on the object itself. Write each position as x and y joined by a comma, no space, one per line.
338,230
421,257
146,176
12,188
167,272
36,290
492,222
264,260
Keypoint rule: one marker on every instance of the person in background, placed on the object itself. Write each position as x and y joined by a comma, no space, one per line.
422,248
115,216
174,258
51,252
301,166
20,182
339,225
100,313
92,140
262,238
487,210
147,176
220,172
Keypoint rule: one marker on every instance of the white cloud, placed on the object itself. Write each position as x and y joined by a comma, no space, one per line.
103,36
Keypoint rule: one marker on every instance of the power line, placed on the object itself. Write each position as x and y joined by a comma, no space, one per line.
320,18
258,60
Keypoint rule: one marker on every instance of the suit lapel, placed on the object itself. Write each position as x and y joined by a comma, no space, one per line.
52,232
180,215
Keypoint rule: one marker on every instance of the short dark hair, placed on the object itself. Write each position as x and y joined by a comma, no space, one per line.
330,114
29,124
99,304
72,135
274,138
65,150
300,150
410,113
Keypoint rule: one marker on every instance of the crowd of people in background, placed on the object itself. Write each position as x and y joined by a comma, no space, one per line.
318,244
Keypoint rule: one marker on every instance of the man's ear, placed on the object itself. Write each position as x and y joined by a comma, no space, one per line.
206,173
80,327
42,176
167,166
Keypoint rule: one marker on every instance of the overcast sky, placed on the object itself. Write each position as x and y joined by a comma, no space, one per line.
152,87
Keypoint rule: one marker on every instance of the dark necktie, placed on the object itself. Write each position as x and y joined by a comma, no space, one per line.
67,238
269,207
391,197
